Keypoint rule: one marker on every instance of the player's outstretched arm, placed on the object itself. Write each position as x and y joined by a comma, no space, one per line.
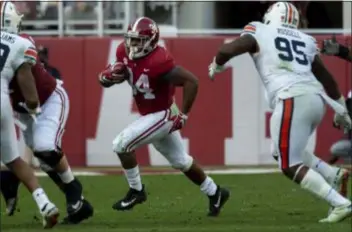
332,47
325,78
243,44
182,77
26,83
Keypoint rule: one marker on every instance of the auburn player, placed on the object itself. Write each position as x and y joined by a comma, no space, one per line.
153,76
44,140
290,68
17,56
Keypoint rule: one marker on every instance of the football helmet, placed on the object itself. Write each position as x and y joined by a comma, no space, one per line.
141,38
10,18
282,14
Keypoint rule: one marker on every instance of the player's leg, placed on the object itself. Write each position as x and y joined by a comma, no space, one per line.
11,158
143,131
9,184
292,123
341,149
171,147
9,181
46,136
336,177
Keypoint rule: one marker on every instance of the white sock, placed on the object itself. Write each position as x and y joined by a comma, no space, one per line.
208,186
327,171
67,176
40,198
316,184
134,178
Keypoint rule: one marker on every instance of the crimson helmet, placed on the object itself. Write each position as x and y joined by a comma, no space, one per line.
141,38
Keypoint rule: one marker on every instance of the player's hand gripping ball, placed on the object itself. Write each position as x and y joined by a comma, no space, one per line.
114,74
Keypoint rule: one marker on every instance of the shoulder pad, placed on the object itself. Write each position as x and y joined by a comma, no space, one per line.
26,36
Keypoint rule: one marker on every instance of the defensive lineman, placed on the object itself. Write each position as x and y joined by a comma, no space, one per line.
44,139
17,57
289,65
153,77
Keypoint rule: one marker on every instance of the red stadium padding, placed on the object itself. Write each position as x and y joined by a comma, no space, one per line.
211,121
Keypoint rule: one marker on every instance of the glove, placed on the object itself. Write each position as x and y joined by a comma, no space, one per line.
109,75
343,120
179,122
330,46
215,68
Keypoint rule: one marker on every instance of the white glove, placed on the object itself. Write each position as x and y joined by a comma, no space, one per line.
343,120
215,68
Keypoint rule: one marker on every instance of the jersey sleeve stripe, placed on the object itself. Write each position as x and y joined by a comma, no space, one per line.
31,53
250,29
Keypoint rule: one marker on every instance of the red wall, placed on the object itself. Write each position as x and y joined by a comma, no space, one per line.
81,59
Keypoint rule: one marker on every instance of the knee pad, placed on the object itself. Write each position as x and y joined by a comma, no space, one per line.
51,158
119,144
183,163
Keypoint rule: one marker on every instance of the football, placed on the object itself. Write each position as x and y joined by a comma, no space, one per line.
121,70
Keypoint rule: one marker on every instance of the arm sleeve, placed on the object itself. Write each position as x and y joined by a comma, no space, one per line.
26,53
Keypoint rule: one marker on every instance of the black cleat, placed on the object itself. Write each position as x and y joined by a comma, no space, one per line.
132,198
78,212
9,184
217,201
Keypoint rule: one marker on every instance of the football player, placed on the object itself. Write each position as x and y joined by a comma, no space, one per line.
294,78
44,140
17,56
153,75
342,148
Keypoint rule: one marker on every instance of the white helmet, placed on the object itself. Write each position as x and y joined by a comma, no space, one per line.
10,19
282,14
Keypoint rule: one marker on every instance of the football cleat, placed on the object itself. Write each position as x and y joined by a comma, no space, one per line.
217,201
78,212
50,215
338,214
340,183
132,198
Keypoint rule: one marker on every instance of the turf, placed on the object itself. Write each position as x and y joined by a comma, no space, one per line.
259,203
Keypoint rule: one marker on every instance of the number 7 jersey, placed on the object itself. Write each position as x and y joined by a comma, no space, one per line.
152,93
284,59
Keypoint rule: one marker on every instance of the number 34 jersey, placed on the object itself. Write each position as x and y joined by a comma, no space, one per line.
14,51
152,93
284,60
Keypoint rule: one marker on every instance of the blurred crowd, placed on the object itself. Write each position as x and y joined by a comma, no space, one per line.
82,10
313,14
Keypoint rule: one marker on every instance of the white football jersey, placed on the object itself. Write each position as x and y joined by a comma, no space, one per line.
284,60
14,51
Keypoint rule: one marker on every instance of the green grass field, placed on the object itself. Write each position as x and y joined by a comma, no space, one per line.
259,203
